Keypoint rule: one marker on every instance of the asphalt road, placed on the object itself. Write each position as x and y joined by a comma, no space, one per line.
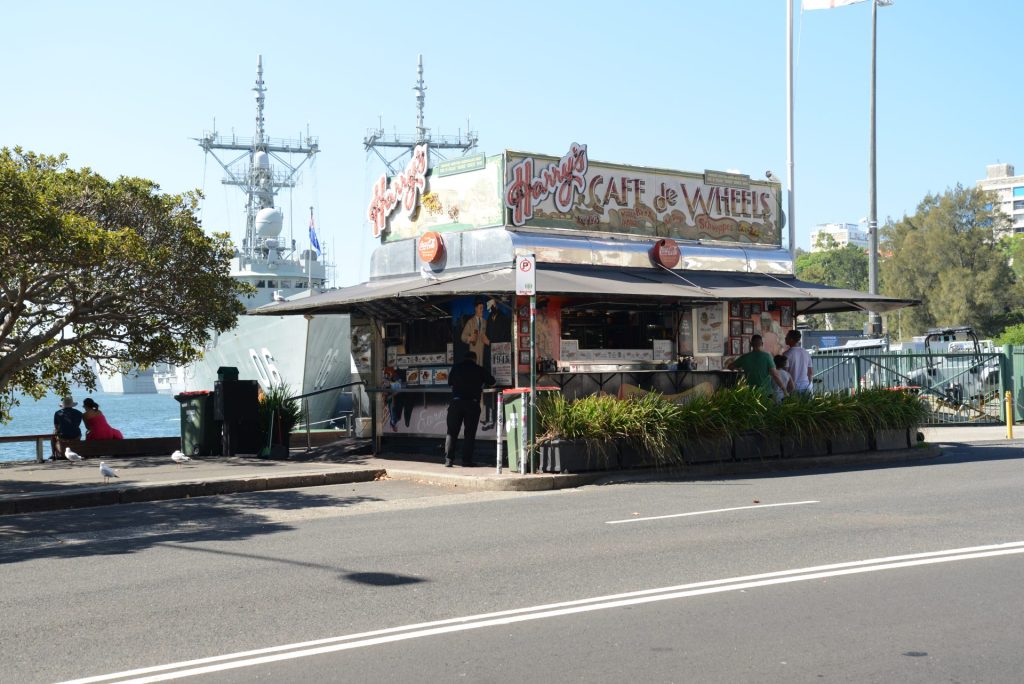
853,576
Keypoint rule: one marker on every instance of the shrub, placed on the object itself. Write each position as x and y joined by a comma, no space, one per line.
286,411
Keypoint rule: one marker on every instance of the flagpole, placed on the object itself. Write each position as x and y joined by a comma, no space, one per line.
874,320
790,193
309,267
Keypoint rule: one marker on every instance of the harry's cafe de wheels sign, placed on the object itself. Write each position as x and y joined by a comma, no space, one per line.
573,194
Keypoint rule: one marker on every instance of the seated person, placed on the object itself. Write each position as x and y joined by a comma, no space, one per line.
96,425
67,426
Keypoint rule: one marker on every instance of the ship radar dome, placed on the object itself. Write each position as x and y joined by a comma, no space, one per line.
261,160
308,255
269,222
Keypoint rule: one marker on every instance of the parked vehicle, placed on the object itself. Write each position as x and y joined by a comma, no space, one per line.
965,372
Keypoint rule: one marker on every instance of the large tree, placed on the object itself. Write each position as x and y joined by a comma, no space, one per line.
947,256
839,266
111,271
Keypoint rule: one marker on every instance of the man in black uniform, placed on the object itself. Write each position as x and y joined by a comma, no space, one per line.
467,381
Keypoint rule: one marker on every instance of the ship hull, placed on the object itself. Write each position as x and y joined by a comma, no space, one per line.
306,355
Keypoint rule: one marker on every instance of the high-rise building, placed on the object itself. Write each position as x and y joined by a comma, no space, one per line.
843,233
1009,192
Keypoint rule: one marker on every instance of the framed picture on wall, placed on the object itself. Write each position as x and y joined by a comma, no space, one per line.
524,327
735,327
745,313
734,309
735,346
746,345
748,327
755,309
524,357
786,316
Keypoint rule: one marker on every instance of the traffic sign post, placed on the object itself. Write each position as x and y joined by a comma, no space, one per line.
526,284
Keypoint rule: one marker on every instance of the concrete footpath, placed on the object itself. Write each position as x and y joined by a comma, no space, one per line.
27,487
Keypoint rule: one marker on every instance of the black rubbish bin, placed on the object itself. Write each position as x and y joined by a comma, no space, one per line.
237,404
200,431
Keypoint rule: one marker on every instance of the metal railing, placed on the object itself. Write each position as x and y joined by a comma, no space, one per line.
305,409
957,387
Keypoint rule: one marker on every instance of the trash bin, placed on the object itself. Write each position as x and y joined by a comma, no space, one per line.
229,373
200,431
515,421
237,404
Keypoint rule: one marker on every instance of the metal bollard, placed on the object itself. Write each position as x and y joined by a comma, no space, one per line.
1009,414
499,425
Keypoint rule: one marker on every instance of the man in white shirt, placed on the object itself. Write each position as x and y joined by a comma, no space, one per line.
799,362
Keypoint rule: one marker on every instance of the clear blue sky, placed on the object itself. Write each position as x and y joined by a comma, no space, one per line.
123,87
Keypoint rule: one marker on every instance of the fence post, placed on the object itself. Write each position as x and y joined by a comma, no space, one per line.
856,374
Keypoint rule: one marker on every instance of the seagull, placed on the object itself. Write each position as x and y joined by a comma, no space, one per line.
72,456
180,458
107,472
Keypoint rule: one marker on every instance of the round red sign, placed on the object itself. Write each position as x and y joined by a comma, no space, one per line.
665,252
430,247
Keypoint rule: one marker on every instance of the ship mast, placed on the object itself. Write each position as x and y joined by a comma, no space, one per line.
252,170
383,147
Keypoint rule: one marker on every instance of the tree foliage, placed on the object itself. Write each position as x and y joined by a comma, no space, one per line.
947,256
92,269
838,266
1013,334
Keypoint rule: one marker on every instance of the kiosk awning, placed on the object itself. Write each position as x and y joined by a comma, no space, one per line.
409,295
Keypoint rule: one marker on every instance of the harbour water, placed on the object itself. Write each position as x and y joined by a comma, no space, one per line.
136,415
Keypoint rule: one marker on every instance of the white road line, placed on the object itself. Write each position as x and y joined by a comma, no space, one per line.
304,649
717,510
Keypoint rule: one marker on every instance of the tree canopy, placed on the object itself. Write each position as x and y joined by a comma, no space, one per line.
838,266
93,269
947,256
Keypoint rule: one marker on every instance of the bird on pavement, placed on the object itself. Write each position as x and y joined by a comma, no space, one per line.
180,458
107,472
72,456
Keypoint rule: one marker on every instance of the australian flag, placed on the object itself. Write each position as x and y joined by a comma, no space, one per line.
312,234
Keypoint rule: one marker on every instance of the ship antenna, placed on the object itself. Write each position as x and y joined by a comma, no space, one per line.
260,89
376,141
421,96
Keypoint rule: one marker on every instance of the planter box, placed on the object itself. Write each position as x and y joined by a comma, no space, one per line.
850,443
803,447
573,456
634,456
752,445
892,439
707,449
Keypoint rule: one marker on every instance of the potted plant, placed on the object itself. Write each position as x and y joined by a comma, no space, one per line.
890,416
279,413
745,409
576,435
802,425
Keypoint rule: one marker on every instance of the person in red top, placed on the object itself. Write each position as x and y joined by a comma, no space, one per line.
96,425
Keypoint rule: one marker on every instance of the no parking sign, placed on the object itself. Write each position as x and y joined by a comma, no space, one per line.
526,275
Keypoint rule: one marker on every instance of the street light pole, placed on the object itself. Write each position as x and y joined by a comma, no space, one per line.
874,320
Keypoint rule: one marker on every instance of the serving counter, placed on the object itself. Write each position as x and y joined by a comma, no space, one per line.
612,378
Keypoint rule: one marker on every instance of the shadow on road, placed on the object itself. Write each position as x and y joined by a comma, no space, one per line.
130,528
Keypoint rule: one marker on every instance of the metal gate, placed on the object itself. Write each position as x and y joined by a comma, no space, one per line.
957,387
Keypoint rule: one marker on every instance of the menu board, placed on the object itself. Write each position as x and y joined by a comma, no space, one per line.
709,329
662,350
501,362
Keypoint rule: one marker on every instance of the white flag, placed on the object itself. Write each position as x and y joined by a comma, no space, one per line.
826,4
